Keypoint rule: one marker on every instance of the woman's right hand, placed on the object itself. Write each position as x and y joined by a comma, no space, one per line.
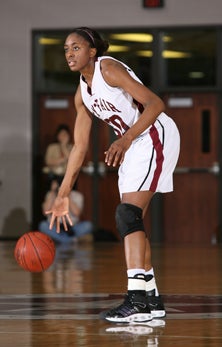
59,213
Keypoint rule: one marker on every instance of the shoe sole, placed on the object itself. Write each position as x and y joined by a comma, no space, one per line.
138,317
158,313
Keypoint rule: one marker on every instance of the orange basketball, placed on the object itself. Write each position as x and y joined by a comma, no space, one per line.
34,251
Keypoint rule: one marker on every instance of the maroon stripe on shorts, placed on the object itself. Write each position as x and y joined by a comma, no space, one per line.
158,147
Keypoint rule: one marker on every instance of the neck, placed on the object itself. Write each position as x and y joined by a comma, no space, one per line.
88,72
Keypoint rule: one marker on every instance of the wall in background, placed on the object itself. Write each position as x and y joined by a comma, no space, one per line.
17,20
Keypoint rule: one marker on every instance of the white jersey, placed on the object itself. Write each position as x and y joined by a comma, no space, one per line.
113,105
151,159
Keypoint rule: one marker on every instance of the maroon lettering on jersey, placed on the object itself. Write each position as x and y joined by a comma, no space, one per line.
103,105
112,107
118,124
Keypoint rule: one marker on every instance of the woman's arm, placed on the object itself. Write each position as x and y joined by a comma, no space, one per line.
82,128
116,75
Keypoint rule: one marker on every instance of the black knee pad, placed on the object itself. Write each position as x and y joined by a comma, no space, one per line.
129,219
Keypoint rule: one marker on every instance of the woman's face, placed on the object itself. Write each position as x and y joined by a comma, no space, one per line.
63,136
78,52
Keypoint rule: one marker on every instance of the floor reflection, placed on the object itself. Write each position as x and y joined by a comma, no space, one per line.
62,306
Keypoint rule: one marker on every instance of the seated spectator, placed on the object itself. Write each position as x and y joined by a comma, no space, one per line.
57,154
81,231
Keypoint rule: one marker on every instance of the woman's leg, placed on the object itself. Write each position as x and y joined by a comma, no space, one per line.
138,255
129,217
136,244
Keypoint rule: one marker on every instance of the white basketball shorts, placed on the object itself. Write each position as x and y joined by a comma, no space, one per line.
150,161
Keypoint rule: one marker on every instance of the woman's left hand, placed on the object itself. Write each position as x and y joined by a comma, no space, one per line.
59,213
115,154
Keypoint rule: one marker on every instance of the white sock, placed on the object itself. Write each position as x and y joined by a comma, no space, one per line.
133,272
151,283
136,279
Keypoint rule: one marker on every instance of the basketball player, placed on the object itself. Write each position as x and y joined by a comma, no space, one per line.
146,152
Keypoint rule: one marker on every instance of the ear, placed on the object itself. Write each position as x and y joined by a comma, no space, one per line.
93,52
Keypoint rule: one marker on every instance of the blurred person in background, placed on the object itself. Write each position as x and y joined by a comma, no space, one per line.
81,231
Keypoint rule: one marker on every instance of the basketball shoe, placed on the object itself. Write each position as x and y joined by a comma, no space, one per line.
134,309
156,306
154,301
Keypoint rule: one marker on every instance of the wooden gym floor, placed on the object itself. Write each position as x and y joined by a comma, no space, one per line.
61,306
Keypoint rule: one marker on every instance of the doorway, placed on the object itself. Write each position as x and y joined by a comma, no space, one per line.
191,213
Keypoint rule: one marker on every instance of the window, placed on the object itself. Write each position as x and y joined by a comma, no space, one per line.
186,57
51,73
189,57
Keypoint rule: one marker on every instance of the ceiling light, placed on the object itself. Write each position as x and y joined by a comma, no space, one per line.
135,37
175,54
118,48
146,54
50,41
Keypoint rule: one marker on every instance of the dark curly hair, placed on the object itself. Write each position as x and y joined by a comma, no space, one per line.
94,39
60,128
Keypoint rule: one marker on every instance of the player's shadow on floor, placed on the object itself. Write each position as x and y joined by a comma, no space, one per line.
15,224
